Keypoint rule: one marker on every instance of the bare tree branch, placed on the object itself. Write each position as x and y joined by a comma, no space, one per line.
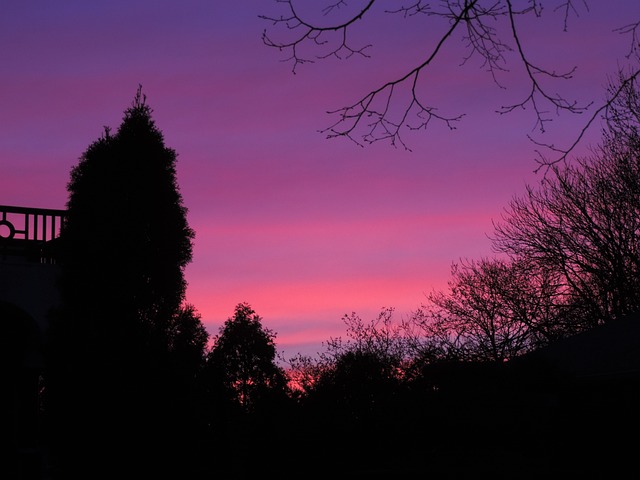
537,93
399,105
560,154
569,7
305,31
632,30
380,127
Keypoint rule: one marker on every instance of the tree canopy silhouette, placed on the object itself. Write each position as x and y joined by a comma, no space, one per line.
242,361
567,257
582,222
124,249
494,310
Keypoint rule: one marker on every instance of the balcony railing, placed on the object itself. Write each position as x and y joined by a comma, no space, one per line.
30,232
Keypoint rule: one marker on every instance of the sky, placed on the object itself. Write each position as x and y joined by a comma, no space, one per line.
303,228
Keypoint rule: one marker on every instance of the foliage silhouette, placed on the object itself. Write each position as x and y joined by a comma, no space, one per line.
528,365
124,249
566,258
242,361
352,399
470,384
247,398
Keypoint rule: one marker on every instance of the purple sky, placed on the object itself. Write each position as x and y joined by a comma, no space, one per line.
302,228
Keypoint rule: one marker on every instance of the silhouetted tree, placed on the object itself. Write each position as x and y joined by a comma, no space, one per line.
380,338
247,397
582,222
180,397
352,395
492,32
494,310
623,111
188,340
366,366
243,361
124,249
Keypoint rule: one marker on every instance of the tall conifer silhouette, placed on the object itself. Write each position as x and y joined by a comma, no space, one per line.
125,246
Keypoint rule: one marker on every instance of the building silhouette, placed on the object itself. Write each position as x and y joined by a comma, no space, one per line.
28,291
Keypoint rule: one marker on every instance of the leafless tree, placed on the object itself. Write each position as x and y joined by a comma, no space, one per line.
619,111
495,309
623,111
491,31
583,220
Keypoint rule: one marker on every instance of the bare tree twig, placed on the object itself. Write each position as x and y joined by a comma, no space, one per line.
545,162
569,7
398,105
632,30
306,31
380,127
537,91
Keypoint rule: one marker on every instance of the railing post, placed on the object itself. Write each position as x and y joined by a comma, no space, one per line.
30,230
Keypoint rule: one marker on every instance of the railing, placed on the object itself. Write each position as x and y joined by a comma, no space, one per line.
30,232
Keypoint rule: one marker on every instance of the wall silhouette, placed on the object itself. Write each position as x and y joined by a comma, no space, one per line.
28,290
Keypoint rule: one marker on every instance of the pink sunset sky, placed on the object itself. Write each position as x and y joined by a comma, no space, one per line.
302,228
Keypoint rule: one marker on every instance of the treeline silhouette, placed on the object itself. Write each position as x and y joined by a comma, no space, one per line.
475,382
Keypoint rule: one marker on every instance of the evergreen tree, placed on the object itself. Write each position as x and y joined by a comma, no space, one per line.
247,395
126,243
242,361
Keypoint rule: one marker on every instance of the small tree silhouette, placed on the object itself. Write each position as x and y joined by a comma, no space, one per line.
242,360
